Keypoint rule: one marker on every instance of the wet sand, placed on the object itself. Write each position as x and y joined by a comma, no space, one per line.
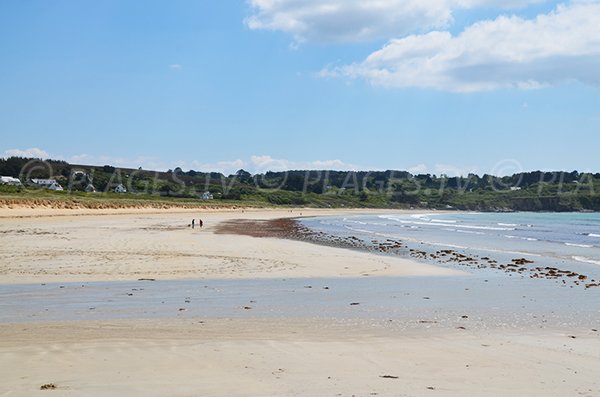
290,358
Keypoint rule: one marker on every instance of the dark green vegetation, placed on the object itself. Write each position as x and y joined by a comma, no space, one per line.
530,191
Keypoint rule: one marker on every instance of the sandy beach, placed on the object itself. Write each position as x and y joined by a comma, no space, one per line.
125,246
246,316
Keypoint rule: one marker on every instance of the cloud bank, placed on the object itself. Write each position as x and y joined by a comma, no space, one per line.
559,47
359,20
508,52
29,153
255,164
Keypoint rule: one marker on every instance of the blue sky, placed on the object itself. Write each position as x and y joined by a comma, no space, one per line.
248,84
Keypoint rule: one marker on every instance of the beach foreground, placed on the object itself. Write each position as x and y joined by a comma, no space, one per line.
290,358
232,315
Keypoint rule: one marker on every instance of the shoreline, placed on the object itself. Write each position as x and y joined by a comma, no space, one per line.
124,246
293,229
231,315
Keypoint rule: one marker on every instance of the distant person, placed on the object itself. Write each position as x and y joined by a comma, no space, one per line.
201,223
194,223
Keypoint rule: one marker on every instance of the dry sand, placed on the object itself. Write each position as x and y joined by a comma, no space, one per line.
254,356
120,245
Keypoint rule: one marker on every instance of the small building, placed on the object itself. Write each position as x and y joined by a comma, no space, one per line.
55,186
49,184
207,196
120,189
42,182
90,188
9,180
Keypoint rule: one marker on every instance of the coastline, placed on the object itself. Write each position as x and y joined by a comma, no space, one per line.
42,247
237,315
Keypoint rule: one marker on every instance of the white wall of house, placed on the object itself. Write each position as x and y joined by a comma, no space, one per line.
9,180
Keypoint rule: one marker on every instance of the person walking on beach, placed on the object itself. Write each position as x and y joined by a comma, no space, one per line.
194,222
201,223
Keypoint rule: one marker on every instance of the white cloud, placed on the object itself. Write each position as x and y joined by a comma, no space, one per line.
508,52
31,152
446,169
255,164
453,170
267,163
175,66
150,163
418,169
359,20
225,167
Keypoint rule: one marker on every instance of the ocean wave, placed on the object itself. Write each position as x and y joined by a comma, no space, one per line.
359,230
357,222
476,227
586,260
470,232
508,224
593,235
421,216
522,238
463,231
579,245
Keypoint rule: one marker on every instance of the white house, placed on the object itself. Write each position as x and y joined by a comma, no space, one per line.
55,186
9,180
207,196
42,182
49,184
120,189
90,188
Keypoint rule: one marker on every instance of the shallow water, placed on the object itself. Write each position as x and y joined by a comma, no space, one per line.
568,240
489,300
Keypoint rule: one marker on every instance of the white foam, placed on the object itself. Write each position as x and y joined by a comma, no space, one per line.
470,232
579,245
522,238
594,235
586,260
508,224
476,227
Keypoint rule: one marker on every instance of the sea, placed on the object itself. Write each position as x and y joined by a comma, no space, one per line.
569,240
